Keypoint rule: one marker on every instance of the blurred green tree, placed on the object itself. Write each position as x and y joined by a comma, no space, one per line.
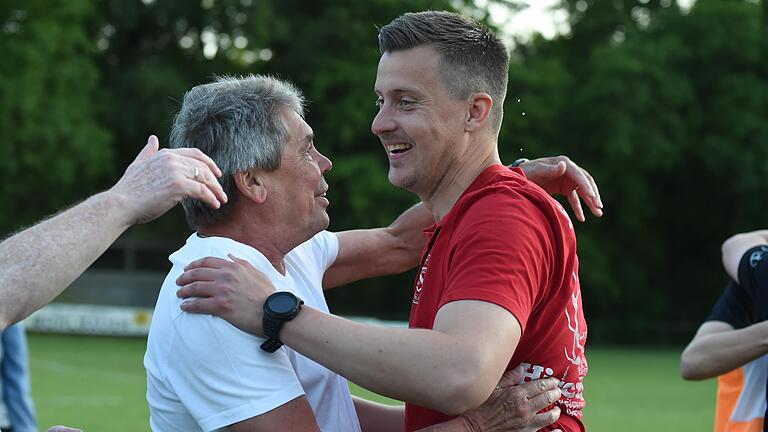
52,147
665,107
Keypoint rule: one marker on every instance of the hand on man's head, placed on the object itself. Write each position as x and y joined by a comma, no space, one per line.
157,180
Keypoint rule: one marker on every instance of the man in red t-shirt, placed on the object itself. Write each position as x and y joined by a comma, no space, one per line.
498,284
507,243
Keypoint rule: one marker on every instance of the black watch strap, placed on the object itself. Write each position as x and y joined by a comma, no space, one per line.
273,323
272,331
272,327
271,345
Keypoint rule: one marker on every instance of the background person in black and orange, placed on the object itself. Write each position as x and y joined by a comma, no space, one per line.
732,343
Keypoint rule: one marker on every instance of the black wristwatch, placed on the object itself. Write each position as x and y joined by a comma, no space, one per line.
279,308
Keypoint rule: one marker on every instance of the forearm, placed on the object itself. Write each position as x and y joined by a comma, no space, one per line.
717,353
426,367
735,247
37,264
367,253
376,417
408,229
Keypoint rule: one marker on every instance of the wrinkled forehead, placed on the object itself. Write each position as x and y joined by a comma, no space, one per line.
298,129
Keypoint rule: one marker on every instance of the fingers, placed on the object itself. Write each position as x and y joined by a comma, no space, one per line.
573,200
545,399
542,420
239,260
198,172
208,306
205,187
149,149
581,179
587,190
202,181
201,289
207,262
598,207
533,388
195,153
542,170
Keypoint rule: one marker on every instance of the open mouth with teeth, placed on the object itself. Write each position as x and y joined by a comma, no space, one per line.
399,148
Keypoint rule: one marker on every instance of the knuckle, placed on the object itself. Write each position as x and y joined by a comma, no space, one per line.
176,183
518,408
541,385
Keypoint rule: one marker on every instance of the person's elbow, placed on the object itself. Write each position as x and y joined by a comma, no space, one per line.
462,391
692,366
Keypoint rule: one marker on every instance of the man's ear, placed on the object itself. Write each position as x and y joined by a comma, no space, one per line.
479,111
252,185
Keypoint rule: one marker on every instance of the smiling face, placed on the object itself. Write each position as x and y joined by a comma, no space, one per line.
419,124
297,188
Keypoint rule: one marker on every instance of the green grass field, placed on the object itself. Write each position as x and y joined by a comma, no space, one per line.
98,384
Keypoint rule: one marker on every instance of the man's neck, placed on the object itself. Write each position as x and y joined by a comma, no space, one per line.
263,241
444,196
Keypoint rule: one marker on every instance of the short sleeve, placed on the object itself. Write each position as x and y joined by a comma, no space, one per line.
320,251
499,255
753,278
733,307
222,376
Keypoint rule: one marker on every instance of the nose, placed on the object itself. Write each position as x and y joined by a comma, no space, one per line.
383,122
324,163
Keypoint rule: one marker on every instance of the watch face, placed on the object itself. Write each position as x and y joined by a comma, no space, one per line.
282,303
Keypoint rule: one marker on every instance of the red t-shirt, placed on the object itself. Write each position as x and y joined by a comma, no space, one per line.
507,242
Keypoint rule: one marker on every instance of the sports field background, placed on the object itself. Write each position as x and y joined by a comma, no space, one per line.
98,384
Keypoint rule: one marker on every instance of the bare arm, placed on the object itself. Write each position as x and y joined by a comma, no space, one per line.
294,416
37,264
377,417
396,248
452,368
717,348
735,247
380,251
510,408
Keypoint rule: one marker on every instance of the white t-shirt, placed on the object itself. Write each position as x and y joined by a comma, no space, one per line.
204,373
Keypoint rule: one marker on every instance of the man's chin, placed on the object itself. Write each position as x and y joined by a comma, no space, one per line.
401,181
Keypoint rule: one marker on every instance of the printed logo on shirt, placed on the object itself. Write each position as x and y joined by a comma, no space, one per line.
757,256
572,399
576,353
420,280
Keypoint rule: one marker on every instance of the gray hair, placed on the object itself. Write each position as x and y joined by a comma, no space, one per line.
472,58
239,122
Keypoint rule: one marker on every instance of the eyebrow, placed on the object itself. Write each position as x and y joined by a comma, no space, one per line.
401,90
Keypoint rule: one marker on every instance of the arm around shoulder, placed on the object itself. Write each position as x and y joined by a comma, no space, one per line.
375,252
